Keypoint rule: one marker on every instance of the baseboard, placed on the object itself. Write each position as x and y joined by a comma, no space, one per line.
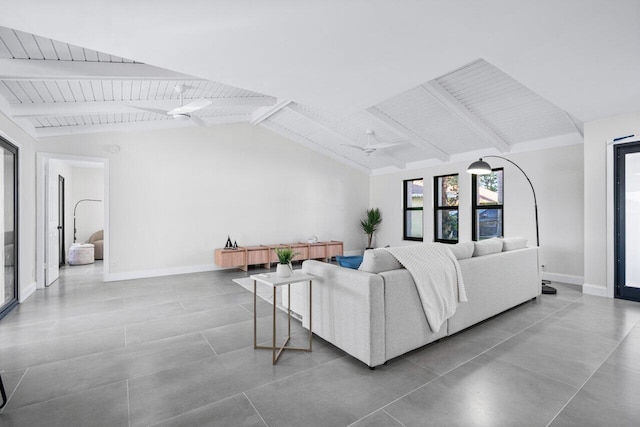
26,291
141,274
595,290
563,278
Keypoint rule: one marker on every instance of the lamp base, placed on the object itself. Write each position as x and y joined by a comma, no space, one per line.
548,290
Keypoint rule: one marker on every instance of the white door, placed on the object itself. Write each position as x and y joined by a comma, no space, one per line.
51,221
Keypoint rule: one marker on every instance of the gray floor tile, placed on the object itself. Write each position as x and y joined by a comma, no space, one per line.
177,325
483,392
123,317
337,393
557,351
54,349
166,394
609,321
216,301
527,314
45,382
234,411
23,333
449,353
377,419
609,398
627,354
105,406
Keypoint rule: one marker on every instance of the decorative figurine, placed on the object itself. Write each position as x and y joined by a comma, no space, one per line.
228,245
235,244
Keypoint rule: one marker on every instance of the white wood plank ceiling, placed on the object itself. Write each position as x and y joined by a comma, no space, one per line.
54,88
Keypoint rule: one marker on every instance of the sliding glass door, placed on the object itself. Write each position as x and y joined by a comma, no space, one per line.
9,226
627,222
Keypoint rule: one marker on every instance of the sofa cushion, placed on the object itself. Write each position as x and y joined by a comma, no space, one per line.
513,243
487,247
462,250
378,260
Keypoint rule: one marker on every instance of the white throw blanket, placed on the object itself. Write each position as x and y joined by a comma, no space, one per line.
437,275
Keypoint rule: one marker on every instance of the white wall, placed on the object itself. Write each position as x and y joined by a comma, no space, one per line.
88,183
598,275
26,205
176,194
557,178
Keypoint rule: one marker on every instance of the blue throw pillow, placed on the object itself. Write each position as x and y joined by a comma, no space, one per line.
350,261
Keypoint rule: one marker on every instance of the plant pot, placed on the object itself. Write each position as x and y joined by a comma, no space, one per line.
283,270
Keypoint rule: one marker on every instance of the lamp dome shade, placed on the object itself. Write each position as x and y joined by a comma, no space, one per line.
479,167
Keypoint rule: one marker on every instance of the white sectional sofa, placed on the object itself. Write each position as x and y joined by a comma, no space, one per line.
378,316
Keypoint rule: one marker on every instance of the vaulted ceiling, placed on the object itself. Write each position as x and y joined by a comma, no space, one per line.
431,79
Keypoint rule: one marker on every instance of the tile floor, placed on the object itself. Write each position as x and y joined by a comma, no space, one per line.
177,351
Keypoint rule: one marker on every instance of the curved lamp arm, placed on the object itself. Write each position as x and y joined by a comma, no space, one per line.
74,214
535,200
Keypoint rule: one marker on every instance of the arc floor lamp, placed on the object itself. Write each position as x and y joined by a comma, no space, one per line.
481,167
74,214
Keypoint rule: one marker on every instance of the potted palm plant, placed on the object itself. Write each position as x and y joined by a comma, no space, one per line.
285,256
370,224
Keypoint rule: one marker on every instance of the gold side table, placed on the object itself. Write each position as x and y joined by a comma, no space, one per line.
270,279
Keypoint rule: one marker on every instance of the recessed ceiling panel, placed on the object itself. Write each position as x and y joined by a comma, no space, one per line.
509,108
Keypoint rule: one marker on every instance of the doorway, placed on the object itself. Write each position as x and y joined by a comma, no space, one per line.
62,181
627,221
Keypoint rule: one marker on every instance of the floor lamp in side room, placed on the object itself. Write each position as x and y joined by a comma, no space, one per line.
483,168
74,214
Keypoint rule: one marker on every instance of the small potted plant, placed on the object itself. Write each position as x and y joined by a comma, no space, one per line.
370,224
285,256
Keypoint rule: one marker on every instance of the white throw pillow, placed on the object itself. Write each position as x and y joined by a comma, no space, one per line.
378,260
462,250
487,247
513,243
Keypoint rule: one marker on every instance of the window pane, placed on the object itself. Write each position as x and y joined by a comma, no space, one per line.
413,221
490,188
414,194
489,223
447,189
447,225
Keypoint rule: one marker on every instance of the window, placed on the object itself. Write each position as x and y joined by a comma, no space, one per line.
487,205
413,203
445,208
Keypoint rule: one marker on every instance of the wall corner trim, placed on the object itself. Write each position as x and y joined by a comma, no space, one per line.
141,274
25,291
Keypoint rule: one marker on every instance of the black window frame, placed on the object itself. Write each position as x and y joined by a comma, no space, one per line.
437,208
475,206
406,209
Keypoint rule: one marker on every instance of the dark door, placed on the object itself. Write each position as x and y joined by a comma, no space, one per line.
61,250
8,226
627,220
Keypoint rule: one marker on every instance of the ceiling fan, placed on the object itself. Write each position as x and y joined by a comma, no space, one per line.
371,148
183,112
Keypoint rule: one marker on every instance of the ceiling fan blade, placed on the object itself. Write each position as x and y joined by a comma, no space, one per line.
151,110
353,146
197,120
383,145
191,107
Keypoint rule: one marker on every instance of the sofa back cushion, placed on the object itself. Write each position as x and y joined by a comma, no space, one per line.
378,260
462,250
487,247
513,243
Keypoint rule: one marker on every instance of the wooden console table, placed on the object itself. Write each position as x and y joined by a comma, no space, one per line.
265,255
